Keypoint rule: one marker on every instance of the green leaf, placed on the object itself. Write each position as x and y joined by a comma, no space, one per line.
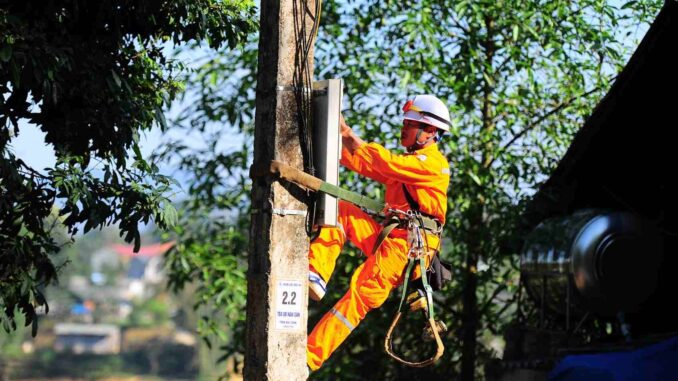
6,53
629,4
160,117
16,74
116,78
170,215
474,177
34,327
137,152
137,241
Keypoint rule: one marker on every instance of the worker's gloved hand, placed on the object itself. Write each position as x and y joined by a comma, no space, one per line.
344,128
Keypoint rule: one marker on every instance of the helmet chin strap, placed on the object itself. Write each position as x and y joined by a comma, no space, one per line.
417,143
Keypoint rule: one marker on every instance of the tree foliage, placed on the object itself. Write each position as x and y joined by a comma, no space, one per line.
92,76
519,78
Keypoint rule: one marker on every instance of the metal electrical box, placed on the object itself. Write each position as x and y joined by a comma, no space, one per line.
327,96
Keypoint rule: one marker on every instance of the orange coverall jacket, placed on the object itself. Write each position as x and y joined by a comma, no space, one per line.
426,175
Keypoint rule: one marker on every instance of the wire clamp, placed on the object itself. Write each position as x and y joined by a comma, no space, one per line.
282,212
293,88
289,212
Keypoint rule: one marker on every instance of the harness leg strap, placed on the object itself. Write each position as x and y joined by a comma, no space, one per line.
388,341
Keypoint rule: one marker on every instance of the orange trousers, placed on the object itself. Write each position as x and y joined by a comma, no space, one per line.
370,285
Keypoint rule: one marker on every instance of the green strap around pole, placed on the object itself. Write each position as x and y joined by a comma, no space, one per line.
376,206
352,197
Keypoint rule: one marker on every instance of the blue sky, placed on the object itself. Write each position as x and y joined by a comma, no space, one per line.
30,146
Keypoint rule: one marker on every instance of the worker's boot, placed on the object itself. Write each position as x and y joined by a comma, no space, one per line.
316,286
417,301
427,335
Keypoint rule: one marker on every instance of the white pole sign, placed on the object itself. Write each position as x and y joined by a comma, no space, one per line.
289,297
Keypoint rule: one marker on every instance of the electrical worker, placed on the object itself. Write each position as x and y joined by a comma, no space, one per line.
416,180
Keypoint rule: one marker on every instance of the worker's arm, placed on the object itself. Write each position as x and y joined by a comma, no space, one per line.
408,169
351,142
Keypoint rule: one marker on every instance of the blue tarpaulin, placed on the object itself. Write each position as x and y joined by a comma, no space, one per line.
654,362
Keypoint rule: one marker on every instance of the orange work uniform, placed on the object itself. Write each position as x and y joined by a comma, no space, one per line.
426,175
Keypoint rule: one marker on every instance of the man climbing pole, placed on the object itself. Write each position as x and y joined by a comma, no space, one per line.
416,194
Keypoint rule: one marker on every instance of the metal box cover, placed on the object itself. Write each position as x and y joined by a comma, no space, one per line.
327,96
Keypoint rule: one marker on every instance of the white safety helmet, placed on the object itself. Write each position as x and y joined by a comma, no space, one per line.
428,109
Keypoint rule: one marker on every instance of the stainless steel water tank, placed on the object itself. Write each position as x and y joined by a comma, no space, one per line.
608,259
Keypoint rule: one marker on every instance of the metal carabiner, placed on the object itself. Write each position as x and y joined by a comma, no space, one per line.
414,240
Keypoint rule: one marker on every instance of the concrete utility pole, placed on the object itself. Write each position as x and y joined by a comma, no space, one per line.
277,287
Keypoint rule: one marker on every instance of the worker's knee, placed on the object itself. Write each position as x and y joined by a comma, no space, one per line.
372,289
374,298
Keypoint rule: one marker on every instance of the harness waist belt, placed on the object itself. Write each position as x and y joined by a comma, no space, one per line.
427,223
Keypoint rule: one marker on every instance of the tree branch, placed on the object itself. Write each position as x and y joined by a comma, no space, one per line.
487,304
29,171
541,119
446,303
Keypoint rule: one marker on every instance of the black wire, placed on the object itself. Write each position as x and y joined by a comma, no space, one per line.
303,82
309,80
308,101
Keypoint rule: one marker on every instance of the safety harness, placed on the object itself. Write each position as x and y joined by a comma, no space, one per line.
418,225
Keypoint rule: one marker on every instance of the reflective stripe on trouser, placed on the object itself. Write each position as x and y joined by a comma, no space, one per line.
370,285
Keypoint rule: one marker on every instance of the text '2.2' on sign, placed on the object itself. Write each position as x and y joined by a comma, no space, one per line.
289,297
